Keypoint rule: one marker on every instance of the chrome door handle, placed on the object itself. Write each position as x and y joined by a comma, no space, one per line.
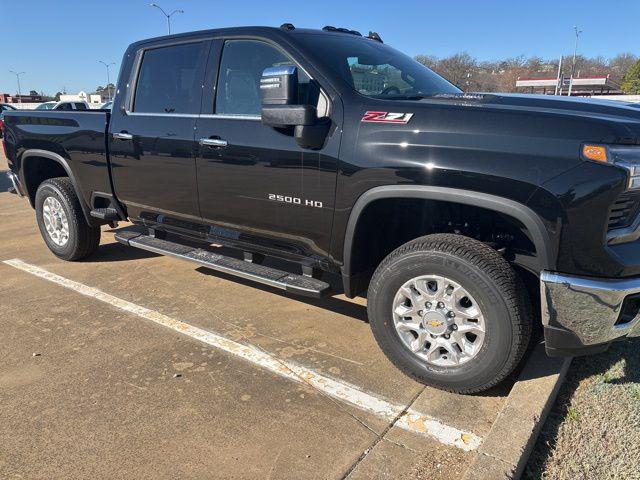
213,142
123,136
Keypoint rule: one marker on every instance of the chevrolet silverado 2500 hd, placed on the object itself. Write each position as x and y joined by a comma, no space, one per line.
466,219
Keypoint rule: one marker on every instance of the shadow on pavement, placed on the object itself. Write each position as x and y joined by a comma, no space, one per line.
5,183
116,252
333,304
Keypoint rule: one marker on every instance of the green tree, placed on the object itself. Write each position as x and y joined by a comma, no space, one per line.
33,93
57,97
631,83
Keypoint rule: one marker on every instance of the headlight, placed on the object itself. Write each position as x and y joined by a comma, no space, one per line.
626,156
629,158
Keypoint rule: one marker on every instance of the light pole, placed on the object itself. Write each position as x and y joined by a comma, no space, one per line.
17,74
168,15
573,66
559,78
107,65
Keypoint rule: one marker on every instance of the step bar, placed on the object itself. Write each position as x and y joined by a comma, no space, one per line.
109,214
290,282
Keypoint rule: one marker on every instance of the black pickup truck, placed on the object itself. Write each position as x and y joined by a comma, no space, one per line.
467,220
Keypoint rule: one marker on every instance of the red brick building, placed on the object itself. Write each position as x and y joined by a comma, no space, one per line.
7,98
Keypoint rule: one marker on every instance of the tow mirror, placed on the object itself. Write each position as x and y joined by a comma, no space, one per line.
279,90
279,85
280,109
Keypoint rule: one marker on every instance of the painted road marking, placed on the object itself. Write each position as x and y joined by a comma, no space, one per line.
410,420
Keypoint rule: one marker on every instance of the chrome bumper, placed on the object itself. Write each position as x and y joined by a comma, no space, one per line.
16,184
590,308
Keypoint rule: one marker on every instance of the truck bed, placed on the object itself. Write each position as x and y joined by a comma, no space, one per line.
77,137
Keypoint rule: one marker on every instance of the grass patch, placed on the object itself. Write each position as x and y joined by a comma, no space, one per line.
593,430
572,415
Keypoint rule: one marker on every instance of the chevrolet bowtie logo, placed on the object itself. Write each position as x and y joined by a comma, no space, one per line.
434,323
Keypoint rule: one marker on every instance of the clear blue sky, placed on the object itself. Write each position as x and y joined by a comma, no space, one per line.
57,42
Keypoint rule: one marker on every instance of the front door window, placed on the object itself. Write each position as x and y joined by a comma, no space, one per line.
241,67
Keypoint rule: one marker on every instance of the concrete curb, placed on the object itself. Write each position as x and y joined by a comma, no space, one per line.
506,449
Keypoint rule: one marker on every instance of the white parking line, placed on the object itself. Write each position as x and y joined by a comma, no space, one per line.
410,420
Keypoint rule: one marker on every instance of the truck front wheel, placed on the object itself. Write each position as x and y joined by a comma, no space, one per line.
450,312
61,220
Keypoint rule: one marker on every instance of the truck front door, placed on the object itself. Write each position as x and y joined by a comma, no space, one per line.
255,183
151,138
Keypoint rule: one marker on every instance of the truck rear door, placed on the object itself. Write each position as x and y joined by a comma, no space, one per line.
151,135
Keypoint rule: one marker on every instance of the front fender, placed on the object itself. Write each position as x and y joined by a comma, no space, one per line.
546,248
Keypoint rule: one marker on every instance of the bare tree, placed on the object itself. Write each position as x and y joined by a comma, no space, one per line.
470,74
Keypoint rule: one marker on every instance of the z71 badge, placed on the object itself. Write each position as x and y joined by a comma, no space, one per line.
387,117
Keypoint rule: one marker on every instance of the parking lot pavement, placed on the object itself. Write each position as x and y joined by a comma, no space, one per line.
93,385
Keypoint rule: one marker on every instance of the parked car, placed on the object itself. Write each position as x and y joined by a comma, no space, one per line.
3,107
46,106
66,105
6,106
463,218
107,106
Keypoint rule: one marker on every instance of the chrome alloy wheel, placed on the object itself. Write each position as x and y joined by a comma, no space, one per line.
55,221
438,320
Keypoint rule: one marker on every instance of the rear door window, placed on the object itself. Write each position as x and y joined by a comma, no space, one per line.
170,79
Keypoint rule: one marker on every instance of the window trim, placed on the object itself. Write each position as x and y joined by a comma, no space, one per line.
132,85
209,42
231,116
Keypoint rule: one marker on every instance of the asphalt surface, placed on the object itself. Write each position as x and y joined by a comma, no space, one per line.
88,390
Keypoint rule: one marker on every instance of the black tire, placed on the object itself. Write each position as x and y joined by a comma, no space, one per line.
83,238
489,279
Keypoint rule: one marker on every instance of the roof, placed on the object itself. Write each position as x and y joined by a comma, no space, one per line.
251,30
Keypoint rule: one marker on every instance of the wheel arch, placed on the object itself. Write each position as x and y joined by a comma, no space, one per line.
30,157
534,225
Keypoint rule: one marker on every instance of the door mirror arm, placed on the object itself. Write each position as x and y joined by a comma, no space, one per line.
312,136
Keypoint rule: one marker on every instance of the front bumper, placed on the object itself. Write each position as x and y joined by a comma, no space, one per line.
15,182
583,315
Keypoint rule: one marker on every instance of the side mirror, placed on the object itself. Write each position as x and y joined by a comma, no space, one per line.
279,91
279,85
281,116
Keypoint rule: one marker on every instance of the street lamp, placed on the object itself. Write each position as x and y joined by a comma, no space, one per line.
107,65
573,66
17,74
168,15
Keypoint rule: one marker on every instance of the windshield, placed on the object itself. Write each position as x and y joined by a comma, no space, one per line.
45,106
374,69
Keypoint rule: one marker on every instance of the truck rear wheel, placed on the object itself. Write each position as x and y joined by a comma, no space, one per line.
61,220
450,312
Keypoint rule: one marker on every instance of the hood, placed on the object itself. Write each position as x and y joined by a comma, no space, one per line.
593,109
526,138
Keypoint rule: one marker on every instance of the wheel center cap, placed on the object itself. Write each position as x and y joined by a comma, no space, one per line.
435,323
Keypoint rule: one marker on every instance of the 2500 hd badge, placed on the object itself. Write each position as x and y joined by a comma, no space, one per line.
295,200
